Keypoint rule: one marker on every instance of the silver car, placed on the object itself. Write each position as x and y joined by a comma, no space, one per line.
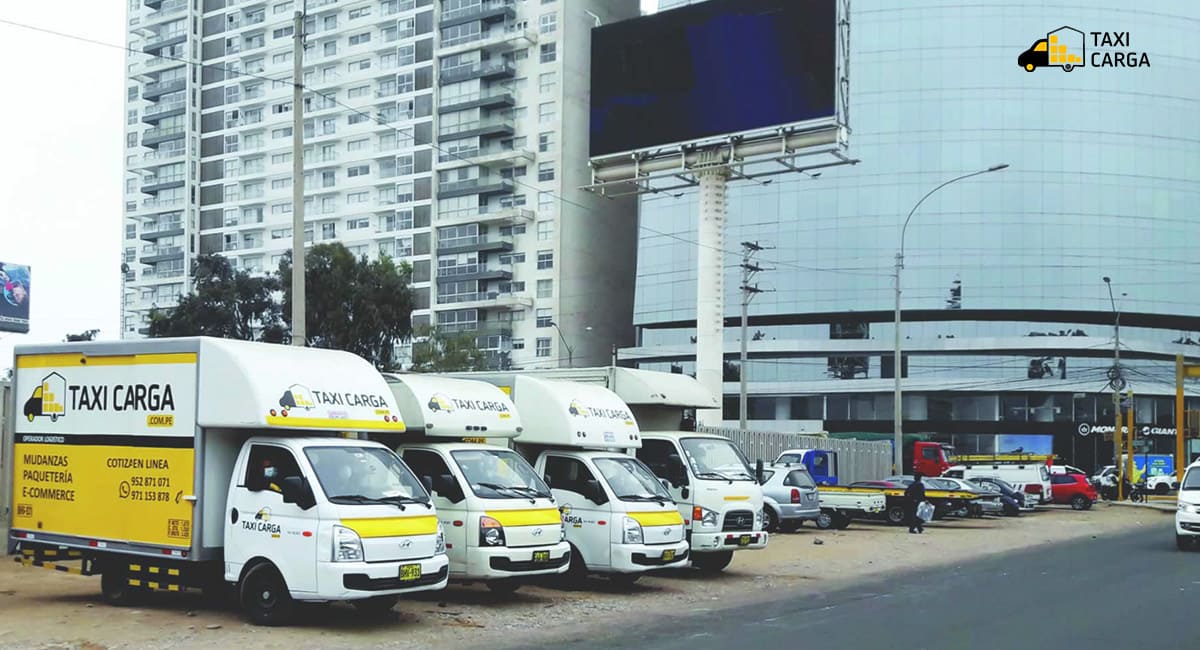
789,497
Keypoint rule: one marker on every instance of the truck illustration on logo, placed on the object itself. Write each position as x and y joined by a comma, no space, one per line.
440,403
578,409
1062,48
46,400
297,397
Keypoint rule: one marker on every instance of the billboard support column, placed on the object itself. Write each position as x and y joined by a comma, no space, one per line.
710,285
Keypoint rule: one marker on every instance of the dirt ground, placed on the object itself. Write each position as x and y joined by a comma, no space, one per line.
49,609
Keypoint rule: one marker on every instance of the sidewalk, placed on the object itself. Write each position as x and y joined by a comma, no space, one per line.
1153,504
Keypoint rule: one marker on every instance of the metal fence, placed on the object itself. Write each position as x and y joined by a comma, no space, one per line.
6,462
858,460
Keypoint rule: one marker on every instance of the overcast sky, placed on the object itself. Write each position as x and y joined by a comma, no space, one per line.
62,169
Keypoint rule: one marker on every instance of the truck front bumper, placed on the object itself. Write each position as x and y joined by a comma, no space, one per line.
732,541
636,558
1187,522
355,580
502,562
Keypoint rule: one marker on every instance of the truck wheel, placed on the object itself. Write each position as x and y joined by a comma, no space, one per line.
265,597
841,521
824,521
1184,542
712,562
1080,502
115,587
503,587
896,515
771,521
375,606
577,570
624,580
1162,488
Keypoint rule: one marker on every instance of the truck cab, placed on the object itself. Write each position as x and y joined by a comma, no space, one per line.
501,519
931,458
821,464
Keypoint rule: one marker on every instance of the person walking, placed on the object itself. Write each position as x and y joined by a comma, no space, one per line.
915,494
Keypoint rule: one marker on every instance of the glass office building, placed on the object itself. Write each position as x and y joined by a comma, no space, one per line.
1008,326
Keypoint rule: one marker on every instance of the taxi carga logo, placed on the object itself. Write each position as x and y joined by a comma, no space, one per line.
1068,48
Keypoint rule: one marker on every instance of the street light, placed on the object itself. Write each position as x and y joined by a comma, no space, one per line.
570,350
897,415
1117,383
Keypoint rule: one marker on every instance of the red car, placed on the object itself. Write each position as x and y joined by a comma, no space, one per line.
1073,490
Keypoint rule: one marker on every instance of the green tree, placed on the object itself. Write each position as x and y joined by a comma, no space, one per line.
436,351
352,304
89,335
223,303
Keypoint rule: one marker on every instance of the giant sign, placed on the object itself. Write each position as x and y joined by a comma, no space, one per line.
14,298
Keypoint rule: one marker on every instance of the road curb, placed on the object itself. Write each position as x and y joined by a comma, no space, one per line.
1161,507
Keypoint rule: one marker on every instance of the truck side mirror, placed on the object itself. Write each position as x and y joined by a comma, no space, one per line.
676,471
296,490
427,483
445,486
594,492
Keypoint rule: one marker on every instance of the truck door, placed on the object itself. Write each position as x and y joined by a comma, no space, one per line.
262,525
449,497
583,507
663,458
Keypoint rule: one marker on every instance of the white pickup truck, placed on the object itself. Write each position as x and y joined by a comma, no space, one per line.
841,504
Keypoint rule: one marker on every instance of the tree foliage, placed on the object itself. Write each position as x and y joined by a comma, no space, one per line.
437,351
352,304
223,303
88,335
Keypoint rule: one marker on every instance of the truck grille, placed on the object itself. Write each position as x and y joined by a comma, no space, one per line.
738,520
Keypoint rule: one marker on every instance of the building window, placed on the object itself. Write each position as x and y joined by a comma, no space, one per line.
359,39
357,197
282,32
357,118
518,344
546,171
330,48
548,52
358,170
547,23
543,346
545,317
545,232
545,141
358,224
545,288
328,230
357,145
545,260
361,64
548,82
512,258
546,113
359,91
281,183
361,12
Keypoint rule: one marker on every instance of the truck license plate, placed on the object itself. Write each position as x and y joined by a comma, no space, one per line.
541,556
744,540
668,555
410,572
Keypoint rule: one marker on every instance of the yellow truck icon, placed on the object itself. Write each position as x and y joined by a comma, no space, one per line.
46,400
1062,48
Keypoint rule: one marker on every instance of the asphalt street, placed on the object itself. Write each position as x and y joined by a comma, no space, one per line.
1130,590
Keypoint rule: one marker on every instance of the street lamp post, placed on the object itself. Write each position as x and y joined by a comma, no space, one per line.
1117,383
897,414
570,350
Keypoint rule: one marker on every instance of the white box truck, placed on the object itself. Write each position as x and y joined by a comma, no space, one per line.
708,477
501,520
170,464
619,518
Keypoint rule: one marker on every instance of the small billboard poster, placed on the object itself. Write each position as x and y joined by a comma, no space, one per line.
14,298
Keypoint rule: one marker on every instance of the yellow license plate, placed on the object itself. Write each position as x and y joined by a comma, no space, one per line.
669,555
410,572
744,540
541,556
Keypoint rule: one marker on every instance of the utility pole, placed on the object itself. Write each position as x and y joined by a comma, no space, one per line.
299,335
1117,383
749,270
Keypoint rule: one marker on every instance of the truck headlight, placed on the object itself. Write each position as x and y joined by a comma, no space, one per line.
758,519
491,533
439,546
632,531
347,545
704,517
1185,507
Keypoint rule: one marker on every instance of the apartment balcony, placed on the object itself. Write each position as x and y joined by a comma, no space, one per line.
488,11
487,300
478,128
156,112
165,9
153,254
492,157
503,216
156,205
151,274
467,272
485,99
471,245
163,155
484,186
497,40
157,89
157,42
478,328
154,231
162,134
494,69
156,184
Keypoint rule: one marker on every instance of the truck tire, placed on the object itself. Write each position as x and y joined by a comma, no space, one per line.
375,606
503,587
264,596
1162,488
1184,542
577,571
115,587
824,521
712,562
771,520
841,521
896,515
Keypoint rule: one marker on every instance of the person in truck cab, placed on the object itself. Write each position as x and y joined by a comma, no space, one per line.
915,494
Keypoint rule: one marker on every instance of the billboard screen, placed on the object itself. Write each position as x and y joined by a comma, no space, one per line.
14,301
709,69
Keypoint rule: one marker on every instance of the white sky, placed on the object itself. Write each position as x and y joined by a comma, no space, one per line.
62,171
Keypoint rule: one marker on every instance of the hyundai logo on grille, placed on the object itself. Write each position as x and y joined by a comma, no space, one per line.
406,543
739,520
537,531
666,532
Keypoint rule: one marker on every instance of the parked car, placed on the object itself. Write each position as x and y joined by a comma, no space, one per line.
988,502
789,498
1074,490
1014,501
1066,469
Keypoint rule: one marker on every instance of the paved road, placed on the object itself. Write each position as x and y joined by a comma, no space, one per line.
1128,591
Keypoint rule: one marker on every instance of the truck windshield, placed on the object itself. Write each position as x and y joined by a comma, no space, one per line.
716,458
499,474
630,480
365,475
1191,480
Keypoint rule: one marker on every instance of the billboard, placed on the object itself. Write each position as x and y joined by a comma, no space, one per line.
14,298
710,69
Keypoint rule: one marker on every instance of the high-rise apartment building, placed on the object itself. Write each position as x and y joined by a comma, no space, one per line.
449,134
